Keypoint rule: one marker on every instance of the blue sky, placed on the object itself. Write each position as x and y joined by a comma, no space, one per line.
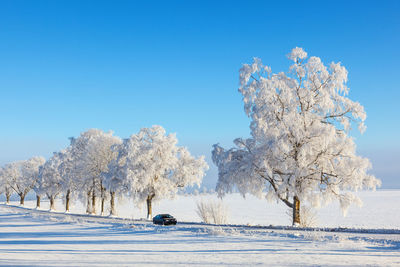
67,66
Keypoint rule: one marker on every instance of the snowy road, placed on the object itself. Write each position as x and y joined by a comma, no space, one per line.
35,238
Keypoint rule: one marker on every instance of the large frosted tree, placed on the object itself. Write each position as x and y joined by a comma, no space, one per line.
156,168
92,153
300,147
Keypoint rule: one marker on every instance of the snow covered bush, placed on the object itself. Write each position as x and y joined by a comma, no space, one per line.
300,148
212,212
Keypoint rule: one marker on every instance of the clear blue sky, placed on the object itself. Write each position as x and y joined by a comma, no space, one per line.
67,66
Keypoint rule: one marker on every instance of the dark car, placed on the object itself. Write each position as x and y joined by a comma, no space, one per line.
164,219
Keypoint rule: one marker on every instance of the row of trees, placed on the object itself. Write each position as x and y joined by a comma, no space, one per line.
98,166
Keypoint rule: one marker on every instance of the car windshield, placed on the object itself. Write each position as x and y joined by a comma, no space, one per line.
166,216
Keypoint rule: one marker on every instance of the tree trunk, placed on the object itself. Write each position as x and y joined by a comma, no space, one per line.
149,208
112,204
51,202
67,198
88,207
8,195
102,205
37,201
103,197
21,199
93,202
296,211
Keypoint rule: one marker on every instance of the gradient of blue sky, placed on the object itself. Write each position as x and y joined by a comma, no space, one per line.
67,66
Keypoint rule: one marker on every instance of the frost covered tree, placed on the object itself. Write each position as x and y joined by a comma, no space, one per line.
68,172
49,180
300,148
155,167
12,172
5,183
92,153
23,175
114,179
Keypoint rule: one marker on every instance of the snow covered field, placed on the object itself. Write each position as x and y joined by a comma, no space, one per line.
38,238
380,210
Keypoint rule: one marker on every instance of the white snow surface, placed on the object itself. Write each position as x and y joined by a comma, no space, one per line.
30,237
